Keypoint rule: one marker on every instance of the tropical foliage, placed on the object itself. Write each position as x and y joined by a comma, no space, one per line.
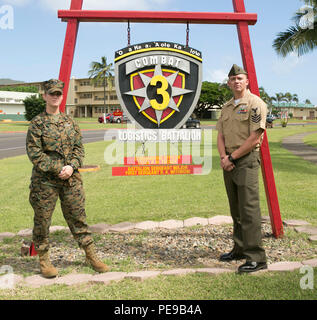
212,94
32,89
101,73
33,106
300,38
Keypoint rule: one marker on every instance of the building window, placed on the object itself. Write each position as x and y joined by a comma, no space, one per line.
99,110
100,84
86,96
100,98
84,83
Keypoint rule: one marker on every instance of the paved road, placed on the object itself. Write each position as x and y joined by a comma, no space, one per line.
13,144
296,145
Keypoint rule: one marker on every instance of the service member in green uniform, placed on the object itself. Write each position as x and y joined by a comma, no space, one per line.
240,133
54,146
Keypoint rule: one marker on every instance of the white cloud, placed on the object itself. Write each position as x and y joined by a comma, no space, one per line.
217,75
283,66
56,4
94,4
124,4
16,2
117,5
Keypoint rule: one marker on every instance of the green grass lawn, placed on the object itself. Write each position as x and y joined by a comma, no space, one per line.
270,286
93,124
116,199
84,123
311,140
14,126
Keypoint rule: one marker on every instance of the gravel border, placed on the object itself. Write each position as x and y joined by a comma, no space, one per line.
163,249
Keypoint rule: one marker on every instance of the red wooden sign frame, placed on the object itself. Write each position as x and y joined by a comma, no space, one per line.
239,17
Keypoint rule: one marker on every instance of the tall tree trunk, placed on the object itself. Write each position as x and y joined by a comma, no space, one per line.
104,93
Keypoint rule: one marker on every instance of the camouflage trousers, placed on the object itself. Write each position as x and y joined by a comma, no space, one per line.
43,197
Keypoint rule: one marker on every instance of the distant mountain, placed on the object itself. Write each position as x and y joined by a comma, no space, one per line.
9,81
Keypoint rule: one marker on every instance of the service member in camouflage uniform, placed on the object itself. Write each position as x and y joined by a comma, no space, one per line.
54,146
240,133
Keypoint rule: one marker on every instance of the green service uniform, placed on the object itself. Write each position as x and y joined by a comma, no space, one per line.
236,123
54,141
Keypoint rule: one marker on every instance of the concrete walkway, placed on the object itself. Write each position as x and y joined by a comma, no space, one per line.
296,145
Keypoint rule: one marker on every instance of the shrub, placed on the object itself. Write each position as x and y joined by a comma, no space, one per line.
33,106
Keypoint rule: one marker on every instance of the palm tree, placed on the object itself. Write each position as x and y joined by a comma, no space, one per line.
279,97
295,98
300,38
307,101
266,98
101,72
289,97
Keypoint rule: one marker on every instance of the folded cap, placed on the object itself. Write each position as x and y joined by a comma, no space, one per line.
53,85
235,70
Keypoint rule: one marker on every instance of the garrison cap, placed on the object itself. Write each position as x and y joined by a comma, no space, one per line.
235,70
53,85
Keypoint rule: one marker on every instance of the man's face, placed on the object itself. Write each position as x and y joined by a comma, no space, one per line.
53,99
238,83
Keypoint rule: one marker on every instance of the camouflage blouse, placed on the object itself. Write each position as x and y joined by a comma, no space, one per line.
52,142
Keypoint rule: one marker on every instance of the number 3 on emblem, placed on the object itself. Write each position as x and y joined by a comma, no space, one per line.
160,91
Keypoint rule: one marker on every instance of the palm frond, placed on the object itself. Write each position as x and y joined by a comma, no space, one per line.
300,38
296,39
312,3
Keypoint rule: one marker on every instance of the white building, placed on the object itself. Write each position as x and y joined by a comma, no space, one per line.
11,103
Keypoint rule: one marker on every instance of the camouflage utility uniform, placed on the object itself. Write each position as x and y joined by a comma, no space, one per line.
54,141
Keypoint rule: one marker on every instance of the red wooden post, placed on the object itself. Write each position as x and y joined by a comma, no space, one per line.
267,168
158,16
69,50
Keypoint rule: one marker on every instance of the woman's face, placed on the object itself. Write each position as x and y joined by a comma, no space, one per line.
53,99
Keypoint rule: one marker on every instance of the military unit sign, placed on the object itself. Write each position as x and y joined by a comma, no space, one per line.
158,83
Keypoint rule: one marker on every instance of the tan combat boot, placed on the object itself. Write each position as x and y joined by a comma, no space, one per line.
93,260
47,269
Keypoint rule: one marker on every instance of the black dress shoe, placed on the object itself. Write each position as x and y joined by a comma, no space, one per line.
251,266
227,257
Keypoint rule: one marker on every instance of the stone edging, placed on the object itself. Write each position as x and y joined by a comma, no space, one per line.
37,281
102,228
301,226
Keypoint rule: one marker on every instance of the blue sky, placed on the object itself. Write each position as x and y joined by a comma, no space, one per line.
32,50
